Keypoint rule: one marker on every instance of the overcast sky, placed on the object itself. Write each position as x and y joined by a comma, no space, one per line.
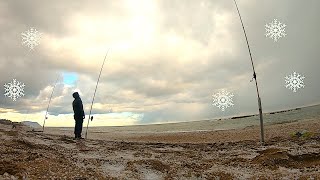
166,58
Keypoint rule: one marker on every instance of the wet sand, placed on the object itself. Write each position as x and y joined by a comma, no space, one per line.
227,154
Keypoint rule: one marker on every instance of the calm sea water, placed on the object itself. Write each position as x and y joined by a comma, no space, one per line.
312,112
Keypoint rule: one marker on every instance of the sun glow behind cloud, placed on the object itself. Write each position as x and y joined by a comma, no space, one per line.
66,120
134,30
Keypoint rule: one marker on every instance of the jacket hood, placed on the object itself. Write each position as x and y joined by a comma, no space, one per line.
76,95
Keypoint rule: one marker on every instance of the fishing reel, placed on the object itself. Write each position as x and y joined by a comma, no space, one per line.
253,77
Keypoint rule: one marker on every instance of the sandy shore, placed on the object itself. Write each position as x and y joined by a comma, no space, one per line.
228,154
143,134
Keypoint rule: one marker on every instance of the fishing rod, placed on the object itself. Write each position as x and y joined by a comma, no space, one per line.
94,94
45,117
254,77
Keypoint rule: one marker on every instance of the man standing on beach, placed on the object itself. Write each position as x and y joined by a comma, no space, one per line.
78,115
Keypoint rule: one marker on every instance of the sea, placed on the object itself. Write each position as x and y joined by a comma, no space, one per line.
293,115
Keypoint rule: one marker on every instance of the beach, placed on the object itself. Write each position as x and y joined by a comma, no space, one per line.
231,129
127,154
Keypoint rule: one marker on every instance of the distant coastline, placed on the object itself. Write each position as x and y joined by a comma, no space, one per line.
4,121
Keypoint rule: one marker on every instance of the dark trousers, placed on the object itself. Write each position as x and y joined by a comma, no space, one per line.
78,126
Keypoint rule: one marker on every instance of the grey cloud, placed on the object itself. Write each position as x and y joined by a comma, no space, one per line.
183,84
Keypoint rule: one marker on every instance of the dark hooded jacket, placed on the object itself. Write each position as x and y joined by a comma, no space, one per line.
77,106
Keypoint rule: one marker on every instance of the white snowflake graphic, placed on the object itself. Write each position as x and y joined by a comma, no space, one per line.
14,89
275,30
294,81
31,38
223,99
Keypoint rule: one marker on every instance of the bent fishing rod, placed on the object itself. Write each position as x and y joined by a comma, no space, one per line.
94,94
254,77
45,117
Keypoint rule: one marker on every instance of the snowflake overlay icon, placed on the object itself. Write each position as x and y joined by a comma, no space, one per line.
275,30
31,38
294,81
223,99
14,89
